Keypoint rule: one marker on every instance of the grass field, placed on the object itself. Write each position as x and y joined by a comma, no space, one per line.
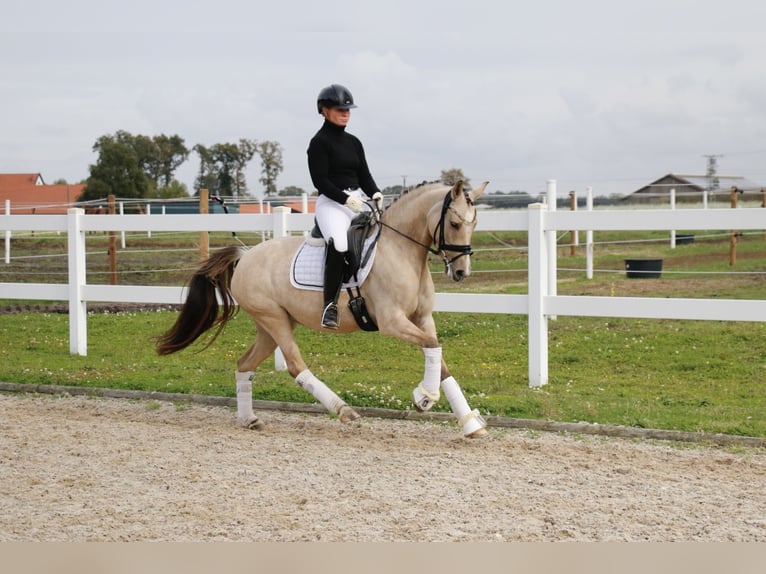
682,375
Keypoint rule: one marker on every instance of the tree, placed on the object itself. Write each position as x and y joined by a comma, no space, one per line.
169,153
452,176
117,171
174,189
222,167
271,165
123,155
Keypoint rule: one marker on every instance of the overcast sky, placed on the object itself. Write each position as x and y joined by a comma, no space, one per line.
605,93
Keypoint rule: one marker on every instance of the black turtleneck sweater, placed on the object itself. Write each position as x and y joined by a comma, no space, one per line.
337,162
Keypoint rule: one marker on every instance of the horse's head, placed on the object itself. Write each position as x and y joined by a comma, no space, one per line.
454,228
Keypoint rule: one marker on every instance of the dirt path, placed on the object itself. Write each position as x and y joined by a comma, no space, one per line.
96,469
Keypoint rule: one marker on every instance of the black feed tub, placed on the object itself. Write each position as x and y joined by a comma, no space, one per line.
643,268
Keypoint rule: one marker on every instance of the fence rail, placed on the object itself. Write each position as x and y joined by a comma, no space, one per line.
541,302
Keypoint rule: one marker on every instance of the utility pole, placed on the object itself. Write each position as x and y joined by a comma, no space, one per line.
712,170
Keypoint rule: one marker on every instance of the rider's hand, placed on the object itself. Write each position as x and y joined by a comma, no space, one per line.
355,204
377,197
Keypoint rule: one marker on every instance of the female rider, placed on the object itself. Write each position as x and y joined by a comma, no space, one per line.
339,171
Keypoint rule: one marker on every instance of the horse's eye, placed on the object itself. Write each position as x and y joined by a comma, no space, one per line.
454,225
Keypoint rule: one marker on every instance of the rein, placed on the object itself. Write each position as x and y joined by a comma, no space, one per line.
443,247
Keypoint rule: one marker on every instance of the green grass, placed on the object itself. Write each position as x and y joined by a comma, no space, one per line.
679,375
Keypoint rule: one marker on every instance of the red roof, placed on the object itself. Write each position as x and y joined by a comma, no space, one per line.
28,193
20,180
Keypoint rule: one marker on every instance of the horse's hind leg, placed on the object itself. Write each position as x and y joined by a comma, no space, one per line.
261,349
281,334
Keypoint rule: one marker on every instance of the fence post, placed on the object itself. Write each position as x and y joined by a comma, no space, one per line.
78,315
122,233
7,234
112,245
672,208
574,235
550,240
589,237
763,204
204,236
537,289
733,235
281,228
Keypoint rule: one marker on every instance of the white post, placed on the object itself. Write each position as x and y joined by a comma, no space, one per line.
305,209
149,212
672,208
122,233
537,288
78,329
281,228
704,199
550,239
261,211
7,234
574,208
589,237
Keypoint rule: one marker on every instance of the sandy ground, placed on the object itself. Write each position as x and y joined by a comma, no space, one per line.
97,469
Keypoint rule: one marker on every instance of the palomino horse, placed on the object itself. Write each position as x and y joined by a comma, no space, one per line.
399,295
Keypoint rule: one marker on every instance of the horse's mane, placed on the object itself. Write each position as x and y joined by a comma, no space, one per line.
422,187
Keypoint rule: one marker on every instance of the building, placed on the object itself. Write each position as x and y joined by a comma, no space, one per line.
692,188
29,194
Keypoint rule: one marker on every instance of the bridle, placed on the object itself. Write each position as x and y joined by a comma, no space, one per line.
442,247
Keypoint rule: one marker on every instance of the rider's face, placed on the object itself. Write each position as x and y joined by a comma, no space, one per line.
337,116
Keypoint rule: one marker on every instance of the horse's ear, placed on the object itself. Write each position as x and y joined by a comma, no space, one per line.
457,189
477,191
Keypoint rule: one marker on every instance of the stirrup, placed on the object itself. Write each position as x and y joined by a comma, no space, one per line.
473,424
330,316
424,400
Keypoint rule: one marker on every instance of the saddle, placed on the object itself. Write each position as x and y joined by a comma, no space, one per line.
356,258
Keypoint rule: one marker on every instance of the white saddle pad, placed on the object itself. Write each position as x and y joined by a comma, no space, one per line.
307,267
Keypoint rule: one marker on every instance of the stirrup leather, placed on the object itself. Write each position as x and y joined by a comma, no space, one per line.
423,399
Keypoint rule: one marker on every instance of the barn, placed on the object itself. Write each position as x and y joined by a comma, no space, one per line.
692,188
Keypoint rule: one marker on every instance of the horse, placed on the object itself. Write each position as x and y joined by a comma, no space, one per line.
398,293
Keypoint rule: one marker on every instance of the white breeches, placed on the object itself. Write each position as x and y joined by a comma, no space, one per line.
334,219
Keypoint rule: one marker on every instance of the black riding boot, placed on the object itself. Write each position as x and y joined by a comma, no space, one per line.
333,278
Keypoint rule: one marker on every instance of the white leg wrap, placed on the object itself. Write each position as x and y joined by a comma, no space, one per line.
329,400
470,420
245,415
426,394
433,369
244,394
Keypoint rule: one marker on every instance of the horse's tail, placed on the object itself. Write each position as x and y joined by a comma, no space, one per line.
201,310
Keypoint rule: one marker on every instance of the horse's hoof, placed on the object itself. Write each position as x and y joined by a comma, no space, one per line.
251,423
474,425
423,400
478,433
347,414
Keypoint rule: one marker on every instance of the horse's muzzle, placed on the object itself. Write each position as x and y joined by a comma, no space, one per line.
459,275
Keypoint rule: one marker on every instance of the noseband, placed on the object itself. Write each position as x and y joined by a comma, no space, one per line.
442,247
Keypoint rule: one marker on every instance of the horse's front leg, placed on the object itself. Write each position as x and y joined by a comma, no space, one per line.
436,376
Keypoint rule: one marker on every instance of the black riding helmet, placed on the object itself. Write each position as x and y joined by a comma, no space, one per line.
335,96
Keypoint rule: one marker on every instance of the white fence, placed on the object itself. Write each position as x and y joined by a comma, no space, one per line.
540,303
